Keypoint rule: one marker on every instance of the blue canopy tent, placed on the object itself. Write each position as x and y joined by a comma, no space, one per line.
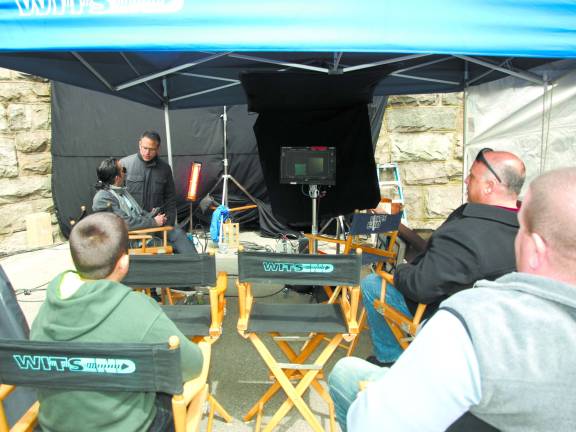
189,53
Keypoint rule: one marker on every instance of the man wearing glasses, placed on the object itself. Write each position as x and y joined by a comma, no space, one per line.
475,242
149,179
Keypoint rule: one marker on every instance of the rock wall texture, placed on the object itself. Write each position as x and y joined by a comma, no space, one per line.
423,134
25,161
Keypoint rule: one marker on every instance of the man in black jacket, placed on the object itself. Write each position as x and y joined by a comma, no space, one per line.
475,242
149,179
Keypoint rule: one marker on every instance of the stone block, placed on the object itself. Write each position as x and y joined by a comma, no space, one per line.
427,226
421,147
29,142
421,119
35,163
24,187
452,99
413,202
13,216
424,173
3,119
16,91
21,76
414,100
28,116
442,200
459,147
13,242
8,160
453,169
5,74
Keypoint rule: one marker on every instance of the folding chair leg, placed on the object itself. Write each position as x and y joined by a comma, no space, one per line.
259,417
303,355
361,324
294,394
217,408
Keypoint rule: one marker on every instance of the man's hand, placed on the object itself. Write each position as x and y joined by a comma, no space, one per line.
160,219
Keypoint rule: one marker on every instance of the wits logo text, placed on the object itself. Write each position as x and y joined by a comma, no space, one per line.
96,7
74,364
270,266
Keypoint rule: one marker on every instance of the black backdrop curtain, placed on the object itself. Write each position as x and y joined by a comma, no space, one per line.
299,109
88,127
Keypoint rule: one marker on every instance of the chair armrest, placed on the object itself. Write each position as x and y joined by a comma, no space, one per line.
151,230
193,386
29,420
5,390
218,305
139,236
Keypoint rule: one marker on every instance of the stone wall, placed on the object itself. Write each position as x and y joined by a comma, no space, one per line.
25,161
423,133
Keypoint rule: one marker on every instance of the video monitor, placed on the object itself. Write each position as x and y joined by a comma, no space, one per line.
308,165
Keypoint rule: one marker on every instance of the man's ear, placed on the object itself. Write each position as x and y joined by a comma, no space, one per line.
122,266
540,250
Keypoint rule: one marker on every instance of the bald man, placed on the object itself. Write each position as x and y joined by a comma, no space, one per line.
475,242
503,351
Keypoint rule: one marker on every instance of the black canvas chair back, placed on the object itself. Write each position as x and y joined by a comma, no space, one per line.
177,271
296,269
367,223
91,366
171,270
324,325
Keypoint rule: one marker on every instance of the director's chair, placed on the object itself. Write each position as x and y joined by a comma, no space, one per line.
198,322
150,241
385,227
316,321
152,368
403,327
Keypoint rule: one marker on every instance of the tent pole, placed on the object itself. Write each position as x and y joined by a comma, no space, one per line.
167,125
225,161
464,130
545,127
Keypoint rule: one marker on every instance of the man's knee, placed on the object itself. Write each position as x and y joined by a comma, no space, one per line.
371,287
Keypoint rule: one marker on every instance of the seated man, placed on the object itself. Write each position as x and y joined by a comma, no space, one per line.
113,196
475,242
503,351
91,305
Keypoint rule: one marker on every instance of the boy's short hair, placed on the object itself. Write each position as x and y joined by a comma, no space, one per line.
97,243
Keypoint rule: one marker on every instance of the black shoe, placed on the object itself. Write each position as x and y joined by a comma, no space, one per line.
372,359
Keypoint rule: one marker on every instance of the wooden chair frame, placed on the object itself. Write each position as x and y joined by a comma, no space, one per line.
146,234
351,243
187,407
306,374
403,327
217,312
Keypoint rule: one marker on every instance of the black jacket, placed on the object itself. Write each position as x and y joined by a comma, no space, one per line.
151,184
475,242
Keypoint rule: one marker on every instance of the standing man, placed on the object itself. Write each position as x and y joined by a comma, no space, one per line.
149,179
503,351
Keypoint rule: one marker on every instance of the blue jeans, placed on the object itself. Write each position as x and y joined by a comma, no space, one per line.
344,383
386,348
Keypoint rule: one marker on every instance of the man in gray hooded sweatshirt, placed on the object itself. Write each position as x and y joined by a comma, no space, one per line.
504,350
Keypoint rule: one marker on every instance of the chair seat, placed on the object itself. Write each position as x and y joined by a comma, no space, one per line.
297,318
191,320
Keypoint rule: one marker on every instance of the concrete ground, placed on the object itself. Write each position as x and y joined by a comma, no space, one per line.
238,376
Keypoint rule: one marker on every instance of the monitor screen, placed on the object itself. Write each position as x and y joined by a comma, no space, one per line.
308,165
